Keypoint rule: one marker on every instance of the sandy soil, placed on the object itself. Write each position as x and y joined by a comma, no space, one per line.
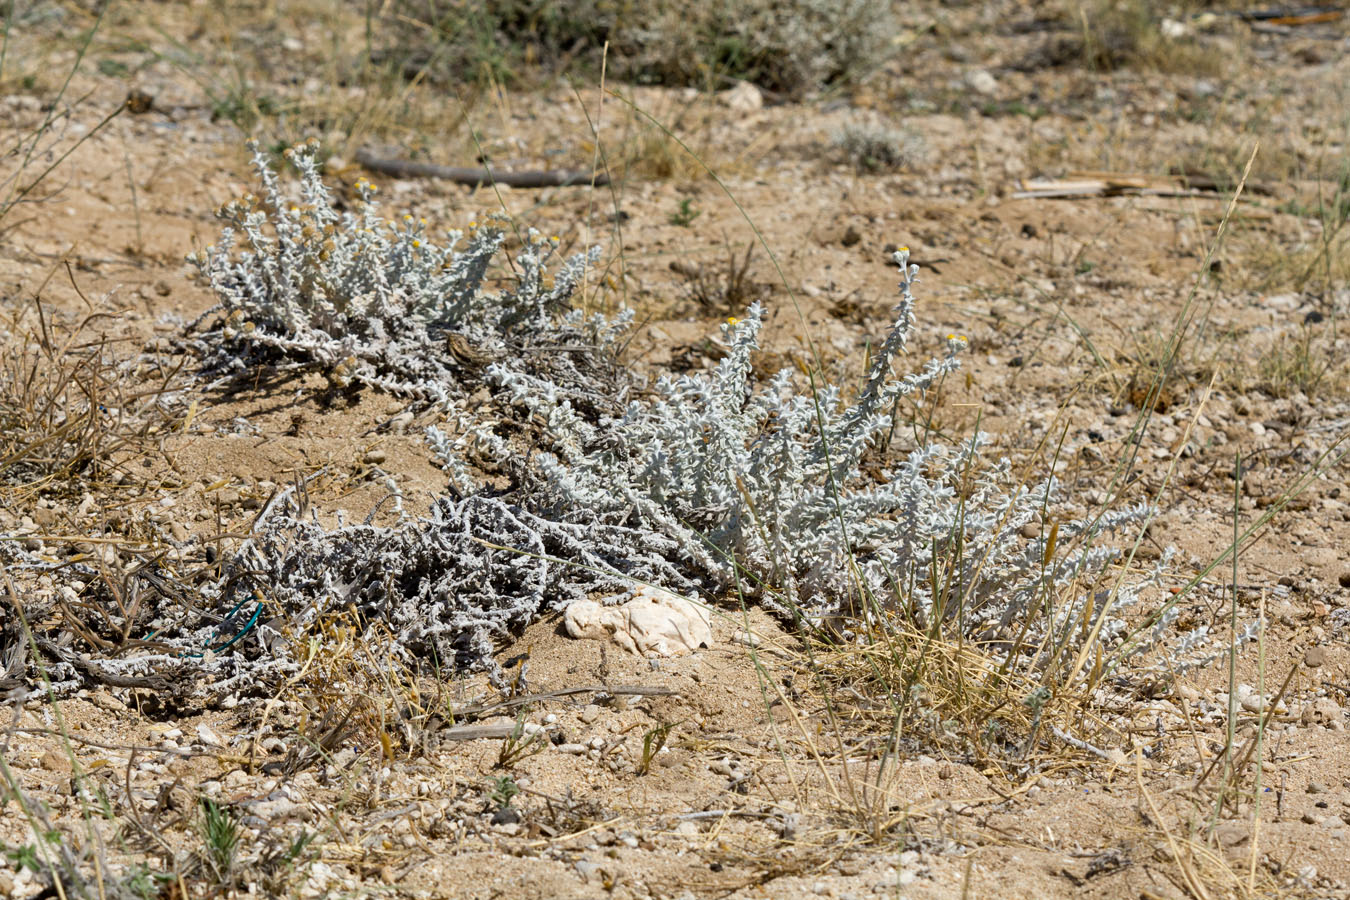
757,793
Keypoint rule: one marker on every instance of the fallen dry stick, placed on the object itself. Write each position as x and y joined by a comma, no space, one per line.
1111,184
537,178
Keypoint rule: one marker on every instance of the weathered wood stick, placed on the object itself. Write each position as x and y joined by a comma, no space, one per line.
473,177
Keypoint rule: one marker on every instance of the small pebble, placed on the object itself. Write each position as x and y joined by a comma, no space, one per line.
505,816
54,762
209,736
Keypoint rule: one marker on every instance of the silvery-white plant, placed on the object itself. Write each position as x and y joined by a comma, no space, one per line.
762,488
718,483
452,583
370,300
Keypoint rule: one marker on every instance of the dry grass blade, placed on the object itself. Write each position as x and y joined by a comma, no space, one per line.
69,405
1193,882
935,691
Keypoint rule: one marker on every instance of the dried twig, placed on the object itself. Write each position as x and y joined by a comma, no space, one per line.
1118,184
473,177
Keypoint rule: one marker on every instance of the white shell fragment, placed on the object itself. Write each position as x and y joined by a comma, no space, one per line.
743,98
655,622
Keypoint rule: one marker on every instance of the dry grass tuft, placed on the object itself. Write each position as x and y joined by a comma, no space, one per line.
348,692
71,409
722,289
933,692
1132,34
1308,362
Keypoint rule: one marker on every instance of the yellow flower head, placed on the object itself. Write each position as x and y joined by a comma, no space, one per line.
732,321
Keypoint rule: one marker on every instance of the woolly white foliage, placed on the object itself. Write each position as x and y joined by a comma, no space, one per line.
449,584
367,299
720,482
762,486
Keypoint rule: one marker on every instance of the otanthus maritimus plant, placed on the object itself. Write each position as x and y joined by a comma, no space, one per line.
716,483
761,486
375,301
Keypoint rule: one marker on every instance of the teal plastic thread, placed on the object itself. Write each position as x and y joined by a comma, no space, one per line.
248,626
